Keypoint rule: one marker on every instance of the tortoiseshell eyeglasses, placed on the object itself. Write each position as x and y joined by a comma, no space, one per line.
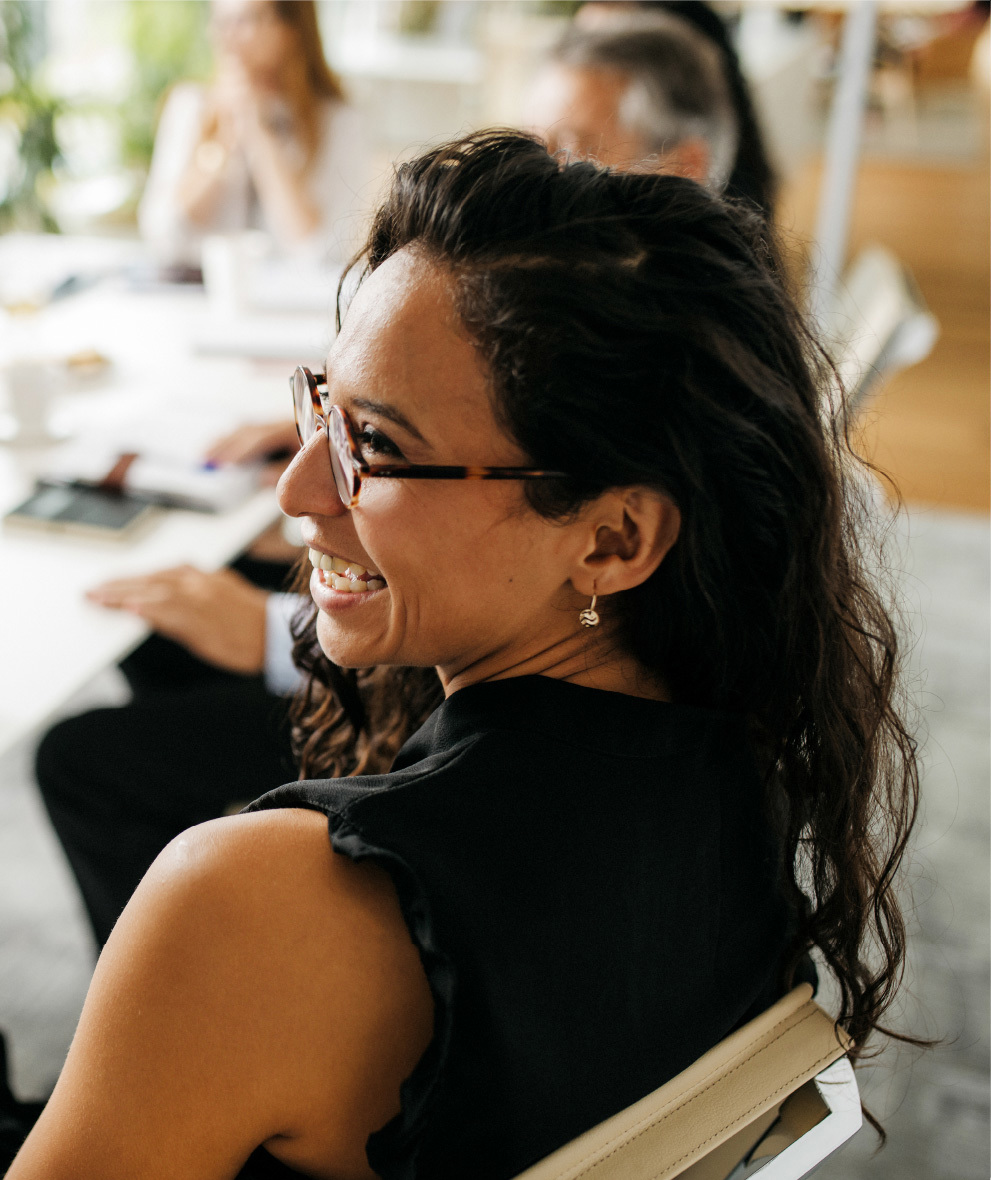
309,396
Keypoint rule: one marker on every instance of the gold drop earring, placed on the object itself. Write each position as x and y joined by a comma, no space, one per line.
590,616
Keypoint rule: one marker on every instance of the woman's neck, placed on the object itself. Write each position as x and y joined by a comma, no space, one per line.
593,663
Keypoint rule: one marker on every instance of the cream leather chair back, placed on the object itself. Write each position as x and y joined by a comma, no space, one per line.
771,1101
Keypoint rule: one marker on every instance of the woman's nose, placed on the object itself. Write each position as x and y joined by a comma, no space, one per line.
307,485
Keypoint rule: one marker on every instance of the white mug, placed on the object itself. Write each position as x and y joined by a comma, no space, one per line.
224,273
229,263
29,398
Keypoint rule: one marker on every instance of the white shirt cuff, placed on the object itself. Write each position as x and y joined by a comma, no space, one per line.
282,677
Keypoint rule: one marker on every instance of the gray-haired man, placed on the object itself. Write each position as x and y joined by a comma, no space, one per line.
649,95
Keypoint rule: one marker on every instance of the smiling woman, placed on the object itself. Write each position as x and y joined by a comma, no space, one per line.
473,586
617,748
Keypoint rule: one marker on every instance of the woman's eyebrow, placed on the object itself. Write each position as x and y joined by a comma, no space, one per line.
384,410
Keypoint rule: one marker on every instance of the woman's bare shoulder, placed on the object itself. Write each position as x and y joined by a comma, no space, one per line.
274,870
258,988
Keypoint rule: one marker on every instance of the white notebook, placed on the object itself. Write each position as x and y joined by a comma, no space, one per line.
161,461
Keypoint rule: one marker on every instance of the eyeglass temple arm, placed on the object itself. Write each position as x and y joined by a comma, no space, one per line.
428,472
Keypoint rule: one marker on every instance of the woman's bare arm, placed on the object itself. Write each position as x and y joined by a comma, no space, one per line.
204,181
258,988
280,183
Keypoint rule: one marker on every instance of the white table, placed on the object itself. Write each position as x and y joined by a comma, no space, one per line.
52,641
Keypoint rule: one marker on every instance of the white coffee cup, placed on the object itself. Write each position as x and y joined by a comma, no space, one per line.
30,390
224,274
229,262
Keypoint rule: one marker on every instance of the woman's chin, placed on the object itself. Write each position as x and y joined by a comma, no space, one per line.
343,649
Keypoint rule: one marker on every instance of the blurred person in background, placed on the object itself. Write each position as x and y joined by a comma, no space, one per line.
270,144
751,176
647,97
206,729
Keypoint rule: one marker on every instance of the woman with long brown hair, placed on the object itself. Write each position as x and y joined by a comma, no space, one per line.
622,746
271,143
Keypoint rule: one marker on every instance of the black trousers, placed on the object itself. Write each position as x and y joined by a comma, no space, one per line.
194,743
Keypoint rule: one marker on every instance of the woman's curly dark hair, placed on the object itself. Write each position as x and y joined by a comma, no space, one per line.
637,332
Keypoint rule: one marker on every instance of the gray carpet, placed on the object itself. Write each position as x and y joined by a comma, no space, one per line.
934,1104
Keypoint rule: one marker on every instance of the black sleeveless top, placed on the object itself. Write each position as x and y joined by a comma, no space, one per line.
594,894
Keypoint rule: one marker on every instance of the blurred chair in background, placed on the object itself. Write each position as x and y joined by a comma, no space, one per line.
271,144
877,324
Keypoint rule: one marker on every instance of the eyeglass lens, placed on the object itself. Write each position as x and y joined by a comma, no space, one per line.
340,458
307,425
306,419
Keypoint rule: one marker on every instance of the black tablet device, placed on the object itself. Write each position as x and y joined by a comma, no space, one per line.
91,511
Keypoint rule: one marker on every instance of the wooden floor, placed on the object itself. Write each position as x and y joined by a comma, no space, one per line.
929,427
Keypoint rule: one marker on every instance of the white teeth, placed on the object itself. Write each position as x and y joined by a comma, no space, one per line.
345,575
354,587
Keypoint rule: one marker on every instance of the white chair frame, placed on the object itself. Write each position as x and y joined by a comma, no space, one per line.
837,1089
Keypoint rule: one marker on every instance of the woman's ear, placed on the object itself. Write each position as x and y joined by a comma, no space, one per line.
632,530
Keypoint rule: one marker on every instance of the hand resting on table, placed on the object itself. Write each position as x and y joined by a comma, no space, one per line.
219,616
